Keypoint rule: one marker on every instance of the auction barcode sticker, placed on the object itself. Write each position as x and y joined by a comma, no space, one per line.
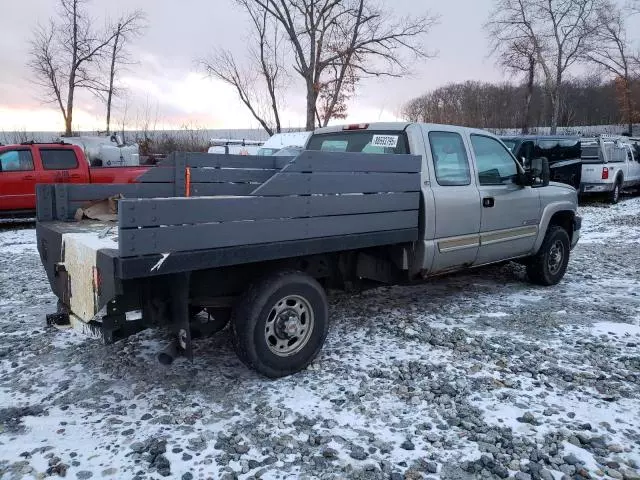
387,141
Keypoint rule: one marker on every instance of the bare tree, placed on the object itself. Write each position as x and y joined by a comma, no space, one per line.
612,53
561,32
266,58
334,93
128,27
63,54
339,38
518,56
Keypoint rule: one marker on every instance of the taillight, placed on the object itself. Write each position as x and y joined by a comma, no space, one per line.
605,173
356,126
97,281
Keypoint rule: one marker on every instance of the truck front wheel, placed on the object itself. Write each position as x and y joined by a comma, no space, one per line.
281,323
548,266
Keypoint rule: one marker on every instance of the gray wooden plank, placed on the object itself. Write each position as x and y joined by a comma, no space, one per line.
158,175
44,202
61,201
211,189
317,161
146,241
177,211
218,160
206,174
345,182
130,190
217,175
180,179
143,266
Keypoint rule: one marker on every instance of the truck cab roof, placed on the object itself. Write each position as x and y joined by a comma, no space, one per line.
397,127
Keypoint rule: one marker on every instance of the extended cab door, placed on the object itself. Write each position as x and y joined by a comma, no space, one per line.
510,212
17,180
456,201
61,165
633,162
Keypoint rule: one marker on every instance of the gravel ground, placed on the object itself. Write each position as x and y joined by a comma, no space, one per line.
478,375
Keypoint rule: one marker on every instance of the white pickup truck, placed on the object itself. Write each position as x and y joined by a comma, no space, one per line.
609,164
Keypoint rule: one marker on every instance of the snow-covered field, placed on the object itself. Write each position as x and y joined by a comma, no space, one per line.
478,375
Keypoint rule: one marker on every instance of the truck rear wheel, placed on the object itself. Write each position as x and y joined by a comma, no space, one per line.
281,323
549,265
614,196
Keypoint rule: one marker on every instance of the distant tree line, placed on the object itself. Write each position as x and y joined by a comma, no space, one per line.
586,101
545,40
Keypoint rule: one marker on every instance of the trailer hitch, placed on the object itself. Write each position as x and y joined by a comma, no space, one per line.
61,317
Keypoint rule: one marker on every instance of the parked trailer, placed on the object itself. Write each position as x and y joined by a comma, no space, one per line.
259,239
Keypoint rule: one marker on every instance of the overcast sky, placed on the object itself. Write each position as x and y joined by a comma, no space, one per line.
166,84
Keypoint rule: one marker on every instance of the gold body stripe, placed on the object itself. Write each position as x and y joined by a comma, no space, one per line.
453,244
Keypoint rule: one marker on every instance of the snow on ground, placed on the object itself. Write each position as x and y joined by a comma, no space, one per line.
477,375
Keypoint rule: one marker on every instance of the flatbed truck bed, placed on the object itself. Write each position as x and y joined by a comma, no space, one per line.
169,255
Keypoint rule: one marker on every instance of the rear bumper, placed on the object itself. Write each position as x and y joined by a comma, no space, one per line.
587,188
577,225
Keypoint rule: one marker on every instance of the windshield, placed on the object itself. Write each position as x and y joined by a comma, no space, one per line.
267,152
360,141
591,154
288,152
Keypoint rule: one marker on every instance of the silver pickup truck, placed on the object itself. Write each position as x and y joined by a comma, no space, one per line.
205,239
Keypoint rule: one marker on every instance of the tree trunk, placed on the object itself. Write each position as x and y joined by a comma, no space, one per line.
312,98
112,74
68,123
629,101
555,109
527,104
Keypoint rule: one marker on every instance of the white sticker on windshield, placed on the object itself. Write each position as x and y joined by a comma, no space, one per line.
386,141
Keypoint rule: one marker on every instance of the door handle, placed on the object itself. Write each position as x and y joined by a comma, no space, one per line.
28,177
488,202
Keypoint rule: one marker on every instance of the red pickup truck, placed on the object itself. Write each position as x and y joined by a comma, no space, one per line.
25,165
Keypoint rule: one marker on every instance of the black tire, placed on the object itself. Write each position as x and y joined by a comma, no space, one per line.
267,309
614,195
544,268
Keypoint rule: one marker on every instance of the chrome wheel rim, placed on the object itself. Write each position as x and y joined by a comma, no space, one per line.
289,326
556,257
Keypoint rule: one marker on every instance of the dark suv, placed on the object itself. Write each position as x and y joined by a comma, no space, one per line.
563,153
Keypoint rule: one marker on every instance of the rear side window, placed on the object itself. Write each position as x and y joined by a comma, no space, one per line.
363,141
58,159
449,159
495,164
16,161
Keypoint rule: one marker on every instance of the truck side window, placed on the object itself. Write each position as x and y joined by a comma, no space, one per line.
449,158
16,161
57,159
495,164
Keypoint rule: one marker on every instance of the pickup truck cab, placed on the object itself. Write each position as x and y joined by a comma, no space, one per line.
361,206
478,206
609,165
25,165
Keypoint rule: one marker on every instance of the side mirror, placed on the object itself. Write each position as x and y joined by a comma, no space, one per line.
539,173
